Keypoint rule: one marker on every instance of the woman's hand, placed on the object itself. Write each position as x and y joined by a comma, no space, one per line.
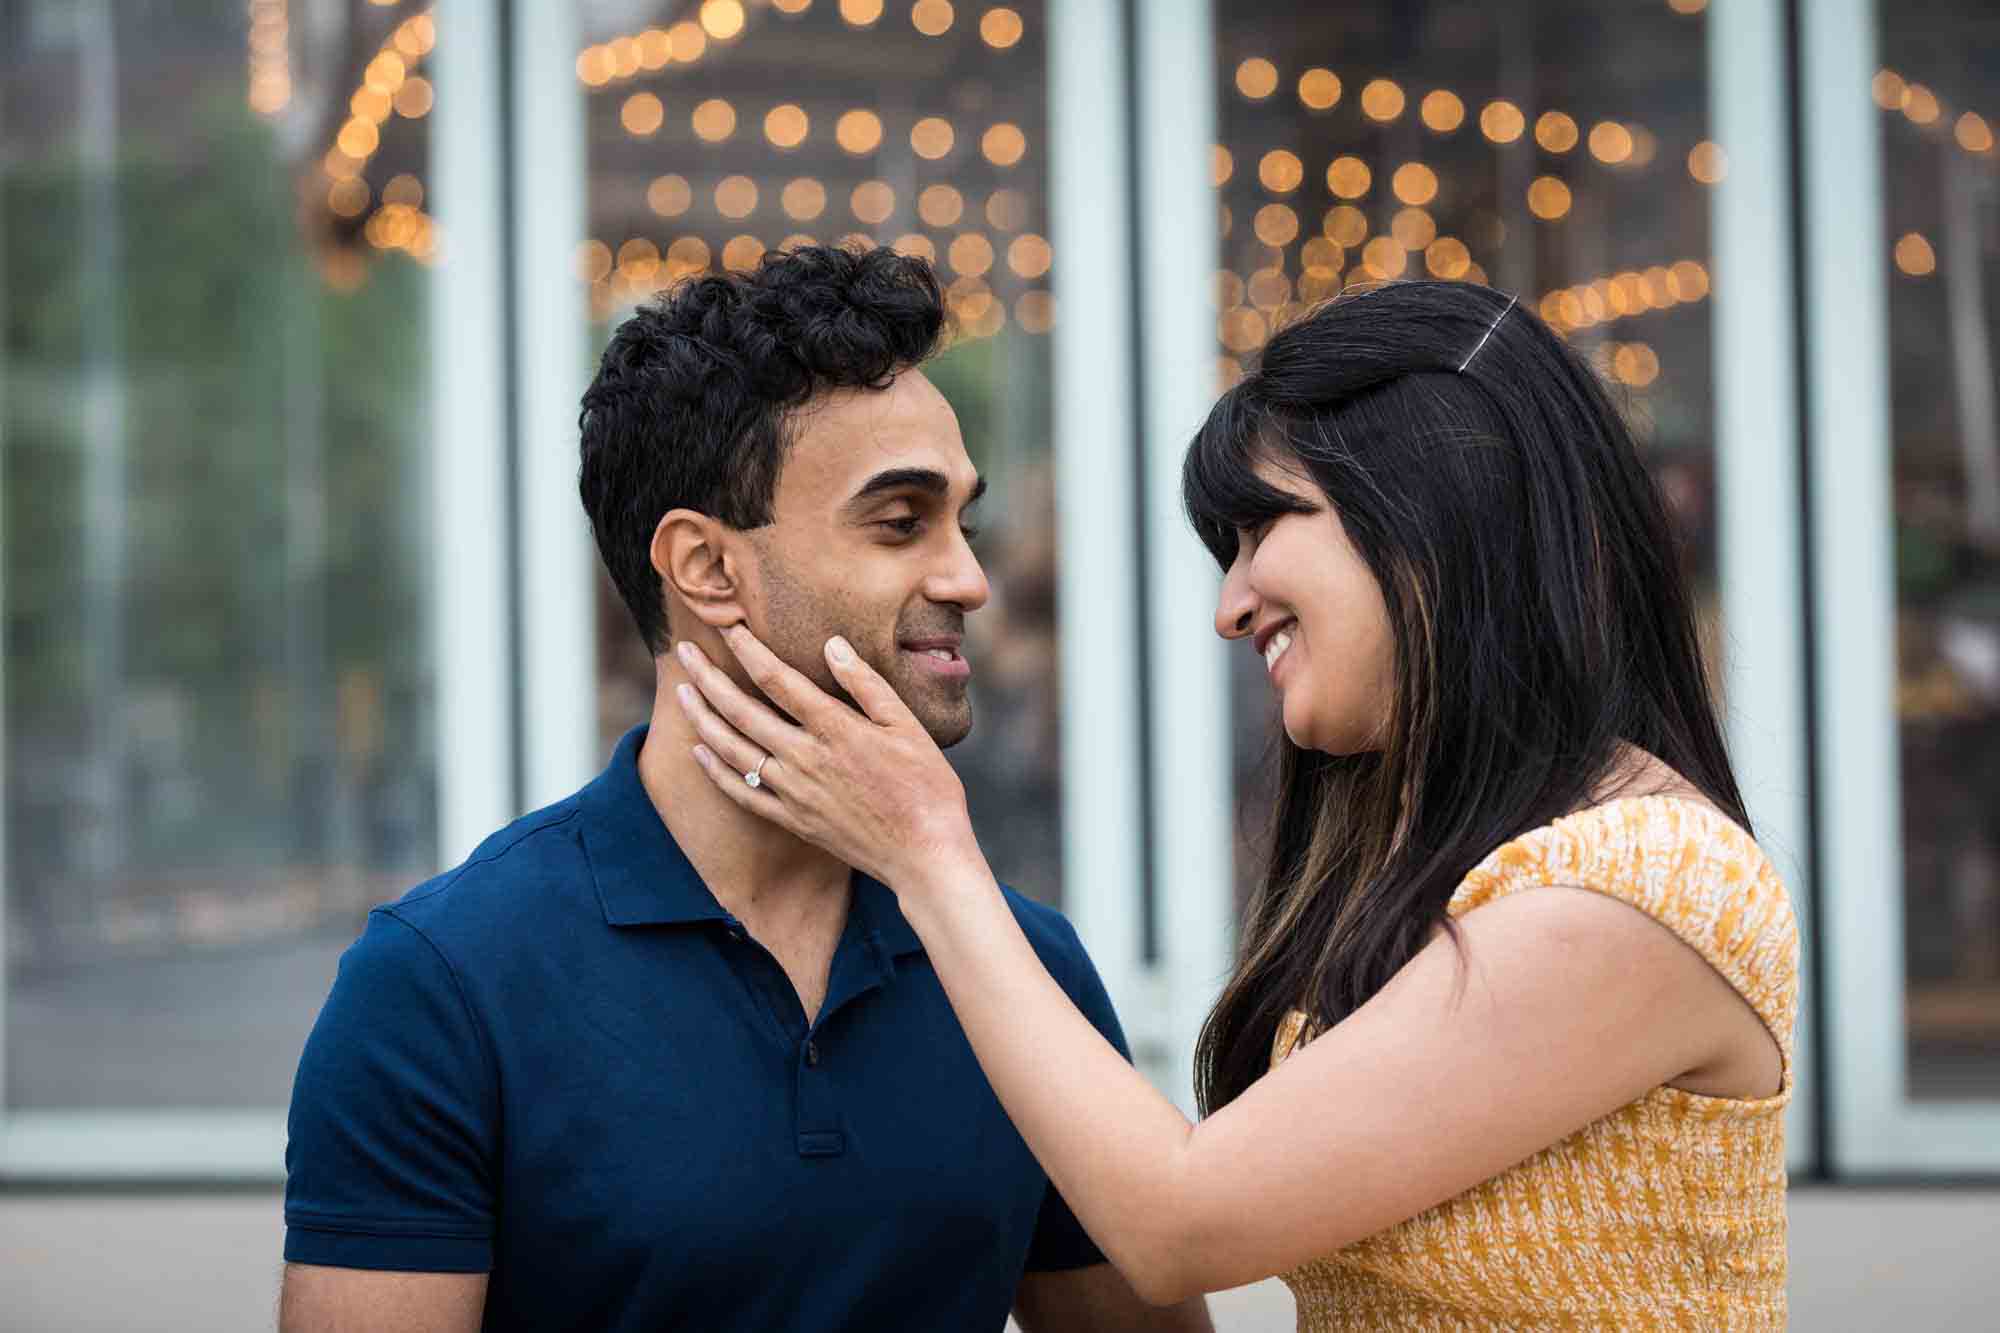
872,789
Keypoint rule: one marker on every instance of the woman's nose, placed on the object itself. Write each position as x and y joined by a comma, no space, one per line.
1236,607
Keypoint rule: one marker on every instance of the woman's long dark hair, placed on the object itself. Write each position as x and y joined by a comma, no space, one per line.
1540,618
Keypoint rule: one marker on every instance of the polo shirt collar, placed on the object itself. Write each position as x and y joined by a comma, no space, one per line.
645,879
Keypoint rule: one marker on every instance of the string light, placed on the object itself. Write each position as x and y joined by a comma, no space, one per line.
1382,100
714,120
1914,256
722,19
1004,144
1348,178
786,125
932,138
932,18
858,131
1414,183
642,115
1610,142
669,196
861,13
1442,111
1413,229
940,206
1275,225
1319,89
1029,256
1000,28
1556,131
1502,121
1548,198
389,86
1707,163
803,199
1280,171
736,196
1256,78
1624,295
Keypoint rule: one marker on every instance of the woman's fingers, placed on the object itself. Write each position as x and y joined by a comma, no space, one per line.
731,746
815,709
749,716
757,800
865,685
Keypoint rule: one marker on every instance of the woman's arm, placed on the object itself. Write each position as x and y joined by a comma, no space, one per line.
1568,1005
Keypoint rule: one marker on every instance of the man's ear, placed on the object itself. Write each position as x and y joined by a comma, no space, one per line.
691,553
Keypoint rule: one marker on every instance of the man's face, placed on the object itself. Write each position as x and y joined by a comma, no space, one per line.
868,540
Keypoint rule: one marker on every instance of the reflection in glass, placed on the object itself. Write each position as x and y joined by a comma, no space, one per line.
1557,151
217,682
1938,86
923,127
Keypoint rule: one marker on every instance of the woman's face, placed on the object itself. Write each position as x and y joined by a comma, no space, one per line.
1304,600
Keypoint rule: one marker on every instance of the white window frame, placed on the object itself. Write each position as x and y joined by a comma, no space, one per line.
1754,353
1875,1127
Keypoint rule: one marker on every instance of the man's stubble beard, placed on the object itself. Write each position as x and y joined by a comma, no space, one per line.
799,621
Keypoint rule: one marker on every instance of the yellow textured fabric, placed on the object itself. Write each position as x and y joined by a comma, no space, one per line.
1666,1214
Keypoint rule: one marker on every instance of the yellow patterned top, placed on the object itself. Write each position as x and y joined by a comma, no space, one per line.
1666,1214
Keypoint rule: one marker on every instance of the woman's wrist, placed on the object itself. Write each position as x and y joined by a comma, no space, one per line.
943,882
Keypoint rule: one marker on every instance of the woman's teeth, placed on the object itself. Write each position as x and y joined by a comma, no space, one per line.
1275,649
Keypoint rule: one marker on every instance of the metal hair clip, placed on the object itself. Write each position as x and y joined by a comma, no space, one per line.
1489,332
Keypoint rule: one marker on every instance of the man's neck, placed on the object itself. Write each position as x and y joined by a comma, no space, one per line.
755,869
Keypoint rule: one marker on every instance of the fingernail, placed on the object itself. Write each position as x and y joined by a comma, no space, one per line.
837,649
685,693
702,755
685,650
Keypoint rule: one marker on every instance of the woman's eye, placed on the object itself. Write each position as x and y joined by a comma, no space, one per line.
971,531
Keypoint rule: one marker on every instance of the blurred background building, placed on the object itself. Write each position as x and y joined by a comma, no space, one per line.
298,298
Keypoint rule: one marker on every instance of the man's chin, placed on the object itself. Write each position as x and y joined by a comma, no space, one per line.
951,732
947,725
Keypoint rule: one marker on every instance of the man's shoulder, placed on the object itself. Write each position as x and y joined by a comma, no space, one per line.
496,884
1061,950
1054,938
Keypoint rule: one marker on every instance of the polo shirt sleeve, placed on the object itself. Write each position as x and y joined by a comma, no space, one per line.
390,1159
1060,1241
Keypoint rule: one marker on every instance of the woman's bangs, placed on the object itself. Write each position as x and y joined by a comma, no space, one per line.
1220,487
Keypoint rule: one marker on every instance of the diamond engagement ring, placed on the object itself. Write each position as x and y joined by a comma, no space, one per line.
755,777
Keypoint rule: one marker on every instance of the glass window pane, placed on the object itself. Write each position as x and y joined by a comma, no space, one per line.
217,685
922,126
1939,94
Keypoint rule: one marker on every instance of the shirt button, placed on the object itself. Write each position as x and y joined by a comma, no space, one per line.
812,1053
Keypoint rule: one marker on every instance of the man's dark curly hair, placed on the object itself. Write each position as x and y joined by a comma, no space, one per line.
694,398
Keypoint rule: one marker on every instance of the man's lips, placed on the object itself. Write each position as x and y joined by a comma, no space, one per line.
940,654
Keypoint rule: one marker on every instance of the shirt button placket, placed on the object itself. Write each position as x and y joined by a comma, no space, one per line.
819,1122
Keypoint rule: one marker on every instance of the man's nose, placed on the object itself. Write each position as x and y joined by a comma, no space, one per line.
962,583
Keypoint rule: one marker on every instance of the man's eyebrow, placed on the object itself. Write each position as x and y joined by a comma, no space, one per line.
928,480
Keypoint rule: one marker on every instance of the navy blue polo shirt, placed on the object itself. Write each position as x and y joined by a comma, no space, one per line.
564,1064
